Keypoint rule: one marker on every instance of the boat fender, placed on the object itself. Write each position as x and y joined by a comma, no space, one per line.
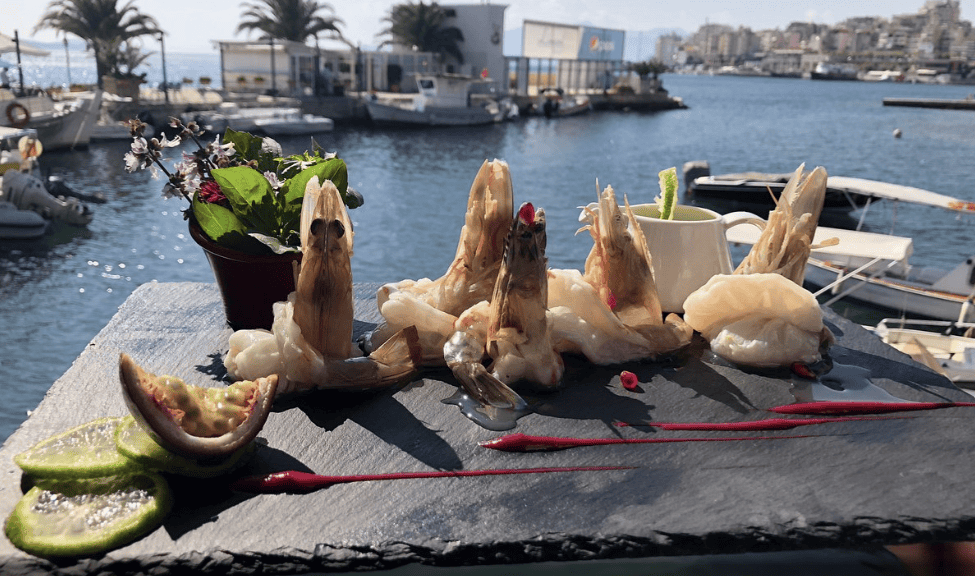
971,271
17,115
27,192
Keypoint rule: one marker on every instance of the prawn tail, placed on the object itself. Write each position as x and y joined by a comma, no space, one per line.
394,363
483,387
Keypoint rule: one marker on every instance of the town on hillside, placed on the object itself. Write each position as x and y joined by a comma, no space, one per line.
932,45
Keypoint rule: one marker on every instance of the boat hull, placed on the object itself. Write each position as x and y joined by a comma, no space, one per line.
906,298
388,114
20,224
295,127
755,197
69,128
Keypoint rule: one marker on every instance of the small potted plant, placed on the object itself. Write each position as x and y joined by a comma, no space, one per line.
243,207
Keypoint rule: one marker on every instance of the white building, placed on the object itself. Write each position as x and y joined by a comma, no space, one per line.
301,70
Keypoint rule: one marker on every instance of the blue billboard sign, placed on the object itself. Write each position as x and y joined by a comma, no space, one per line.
601,44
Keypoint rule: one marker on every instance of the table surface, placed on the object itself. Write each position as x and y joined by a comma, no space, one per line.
848,484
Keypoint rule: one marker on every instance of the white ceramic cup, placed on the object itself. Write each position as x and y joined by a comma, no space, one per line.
688,250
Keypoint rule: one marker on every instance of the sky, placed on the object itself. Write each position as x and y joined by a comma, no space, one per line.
191,25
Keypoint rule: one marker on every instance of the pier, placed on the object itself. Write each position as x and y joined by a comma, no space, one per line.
963,104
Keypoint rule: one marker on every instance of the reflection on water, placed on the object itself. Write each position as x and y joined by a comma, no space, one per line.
57,294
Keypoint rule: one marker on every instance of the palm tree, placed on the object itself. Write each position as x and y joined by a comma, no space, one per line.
423,26
653,68
105,27
294,20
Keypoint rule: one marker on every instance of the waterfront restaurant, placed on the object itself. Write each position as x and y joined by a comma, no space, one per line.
299,70
578,59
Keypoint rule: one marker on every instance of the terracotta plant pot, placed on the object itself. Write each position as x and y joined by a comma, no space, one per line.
249,284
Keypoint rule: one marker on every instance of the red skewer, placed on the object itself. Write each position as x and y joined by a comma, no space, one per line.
525,443
753,425
303,482
864,407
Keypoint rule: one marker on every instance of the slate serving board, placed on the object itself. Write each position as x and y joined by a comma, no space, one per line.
849,484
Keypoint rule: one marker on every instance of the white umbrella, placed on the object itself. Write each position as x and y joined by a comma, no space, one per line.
7,45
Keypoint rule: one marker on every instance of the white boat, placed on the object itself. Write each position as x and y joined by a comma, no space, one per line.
291,122
59,124
946,347
883,76
833,71
442,100
874,270
269,120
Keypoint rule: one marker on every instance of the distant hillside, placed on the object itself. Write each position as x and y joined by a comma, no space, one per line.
639,46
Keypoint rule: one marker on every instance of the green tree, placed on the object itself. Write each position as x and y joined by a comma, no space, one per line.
295,20
652,68
106,28
424,27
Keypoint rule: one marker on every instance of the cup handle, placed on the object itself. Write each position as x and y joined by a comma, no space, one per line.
733,219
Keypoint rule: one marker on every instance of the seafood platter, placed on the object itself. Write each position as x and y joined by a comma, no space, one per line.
503,413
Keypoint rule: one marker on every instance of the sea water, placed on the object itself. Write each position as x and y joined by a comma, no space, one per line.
57,293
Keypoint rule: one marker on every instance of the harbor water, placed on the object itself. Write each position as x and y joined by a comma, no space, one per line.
57,293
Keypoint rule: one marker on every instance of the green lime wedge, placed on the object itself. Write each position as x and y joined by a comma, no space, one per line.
85,451
133,442
59,518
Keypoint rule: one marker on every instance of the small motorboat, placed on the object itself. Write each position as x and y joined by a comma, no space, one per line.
554,103
756,191
874,270
27,192
59,124
26,203
291,122
946,347
272,120
441,100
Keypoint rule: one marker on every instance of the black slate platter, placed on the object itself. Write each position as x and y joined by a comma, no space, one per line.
859,483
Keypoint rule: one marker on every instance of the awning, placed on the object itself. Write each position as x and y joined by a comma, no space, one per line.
7,44
853,245
898,192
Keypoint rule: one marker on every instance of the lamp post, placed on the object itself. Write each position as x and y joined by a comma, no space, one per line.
162,49
20,68
274,84
67,62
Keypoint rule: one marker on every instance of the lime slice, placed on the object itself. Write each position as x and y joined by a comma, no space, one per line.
88,516
133,442
85,451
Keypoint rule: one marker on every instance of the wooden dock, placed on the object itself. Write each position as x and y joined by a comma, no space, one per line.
963,104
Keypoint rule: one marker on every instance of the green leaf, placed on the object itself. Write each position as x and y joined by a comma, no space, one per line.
224,228
293,190
668,192
246,146
251,198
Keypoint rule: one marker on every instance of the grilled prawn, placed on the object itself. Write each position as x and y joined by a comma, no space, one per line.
309,347
761,315
612,313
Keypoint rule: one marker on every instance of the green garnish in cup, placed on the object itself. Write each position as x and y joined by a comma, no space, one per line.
668,193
